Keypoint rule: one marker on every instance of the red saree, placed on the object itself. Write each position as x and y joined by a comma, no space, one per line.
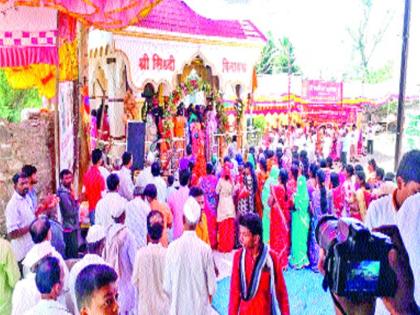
280,224
226,231
261,178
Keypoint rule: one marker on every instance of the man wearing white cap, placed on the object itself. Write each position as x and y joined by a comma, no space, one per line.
95,240
190,278
120,253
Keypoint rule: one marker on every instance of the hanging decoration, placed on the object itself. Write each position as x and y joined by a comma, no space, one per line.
102,14
41,76
221,116
68,48
172,102
67,54
5,10
29,59
239,108
190,87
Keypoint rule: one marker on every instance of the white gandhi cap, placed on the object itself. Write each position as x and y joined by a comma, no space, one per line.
96,233
192,211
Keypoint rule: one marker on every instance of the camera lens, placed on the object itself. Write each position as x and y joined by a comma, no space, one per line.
326,231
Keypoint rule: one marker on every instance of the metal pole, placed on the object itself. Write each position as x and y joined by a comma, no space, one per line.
403,73
57,115
288,85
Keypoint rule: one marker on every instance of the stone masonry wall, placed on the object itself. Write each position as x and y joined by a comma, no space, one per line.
28,142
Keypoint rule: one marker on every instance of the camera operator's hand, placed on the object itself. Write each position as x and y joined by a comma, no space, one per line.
403,302
362,308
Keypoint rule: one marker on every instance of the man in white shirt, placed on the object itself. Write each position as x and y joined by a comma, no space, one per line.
41,234
408,222
354,136
370,134
398,209
190,279
26,294
95,240
126,182
145,177
149,267
119,253
111,200
136,217
345,151
102,169
32,173
173,184
19,215
159,182
49,281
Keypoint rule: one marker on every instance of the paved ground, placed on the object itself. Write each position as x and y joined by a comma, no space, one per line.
306,295
384,151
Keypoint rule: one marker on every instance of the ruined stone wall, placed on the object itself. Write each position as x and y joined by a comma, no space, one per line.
28,142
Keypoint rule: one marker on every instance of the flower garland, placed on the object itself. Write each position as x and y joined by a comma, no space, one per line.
239,108
68,70
222,119
171,103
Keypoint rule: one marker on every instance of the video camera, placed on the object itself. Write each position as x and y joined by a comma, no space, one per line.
356,263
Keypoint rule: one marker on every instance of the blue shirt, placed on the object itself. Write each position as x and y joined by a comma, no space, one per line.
57,239
34,198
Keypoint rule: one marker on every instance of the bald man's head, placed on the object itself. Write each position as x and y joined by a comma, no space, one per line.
39,229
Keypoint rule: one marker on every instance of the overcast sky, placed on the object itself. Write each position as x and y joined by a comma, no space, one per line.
318,30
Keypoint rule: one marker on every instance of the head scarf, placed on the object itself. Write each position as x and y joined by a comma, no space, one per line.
226,172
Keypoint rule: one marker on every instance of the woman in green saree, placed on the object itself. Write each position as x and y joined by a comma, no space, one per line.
300,225
273,179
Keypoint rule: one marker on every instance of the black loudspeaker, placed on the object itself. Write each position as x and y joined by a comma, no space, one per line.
136,132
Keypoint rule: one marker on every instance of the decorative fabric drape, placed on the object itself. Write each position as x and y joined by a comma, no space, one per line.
41,76
103,14
25,56
29,59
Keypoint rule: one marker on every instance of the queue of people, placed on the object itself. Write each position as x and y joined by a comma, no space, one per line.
152,245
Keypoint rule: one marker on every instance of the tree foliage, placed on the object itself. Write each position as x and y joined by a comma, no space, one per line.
278,56
12,102
366,37
260,123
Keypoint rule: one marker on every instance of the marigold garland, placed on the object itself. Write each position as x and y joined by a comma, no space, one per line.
171,102
40,76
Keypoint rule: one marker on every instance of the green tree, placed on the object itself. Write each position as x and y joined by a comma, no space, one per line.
268,53
13,101
260,123
278,56
366,36
285,59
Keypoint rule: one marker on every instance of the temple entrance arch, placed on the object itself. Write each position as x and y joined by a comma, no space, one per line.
202,70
